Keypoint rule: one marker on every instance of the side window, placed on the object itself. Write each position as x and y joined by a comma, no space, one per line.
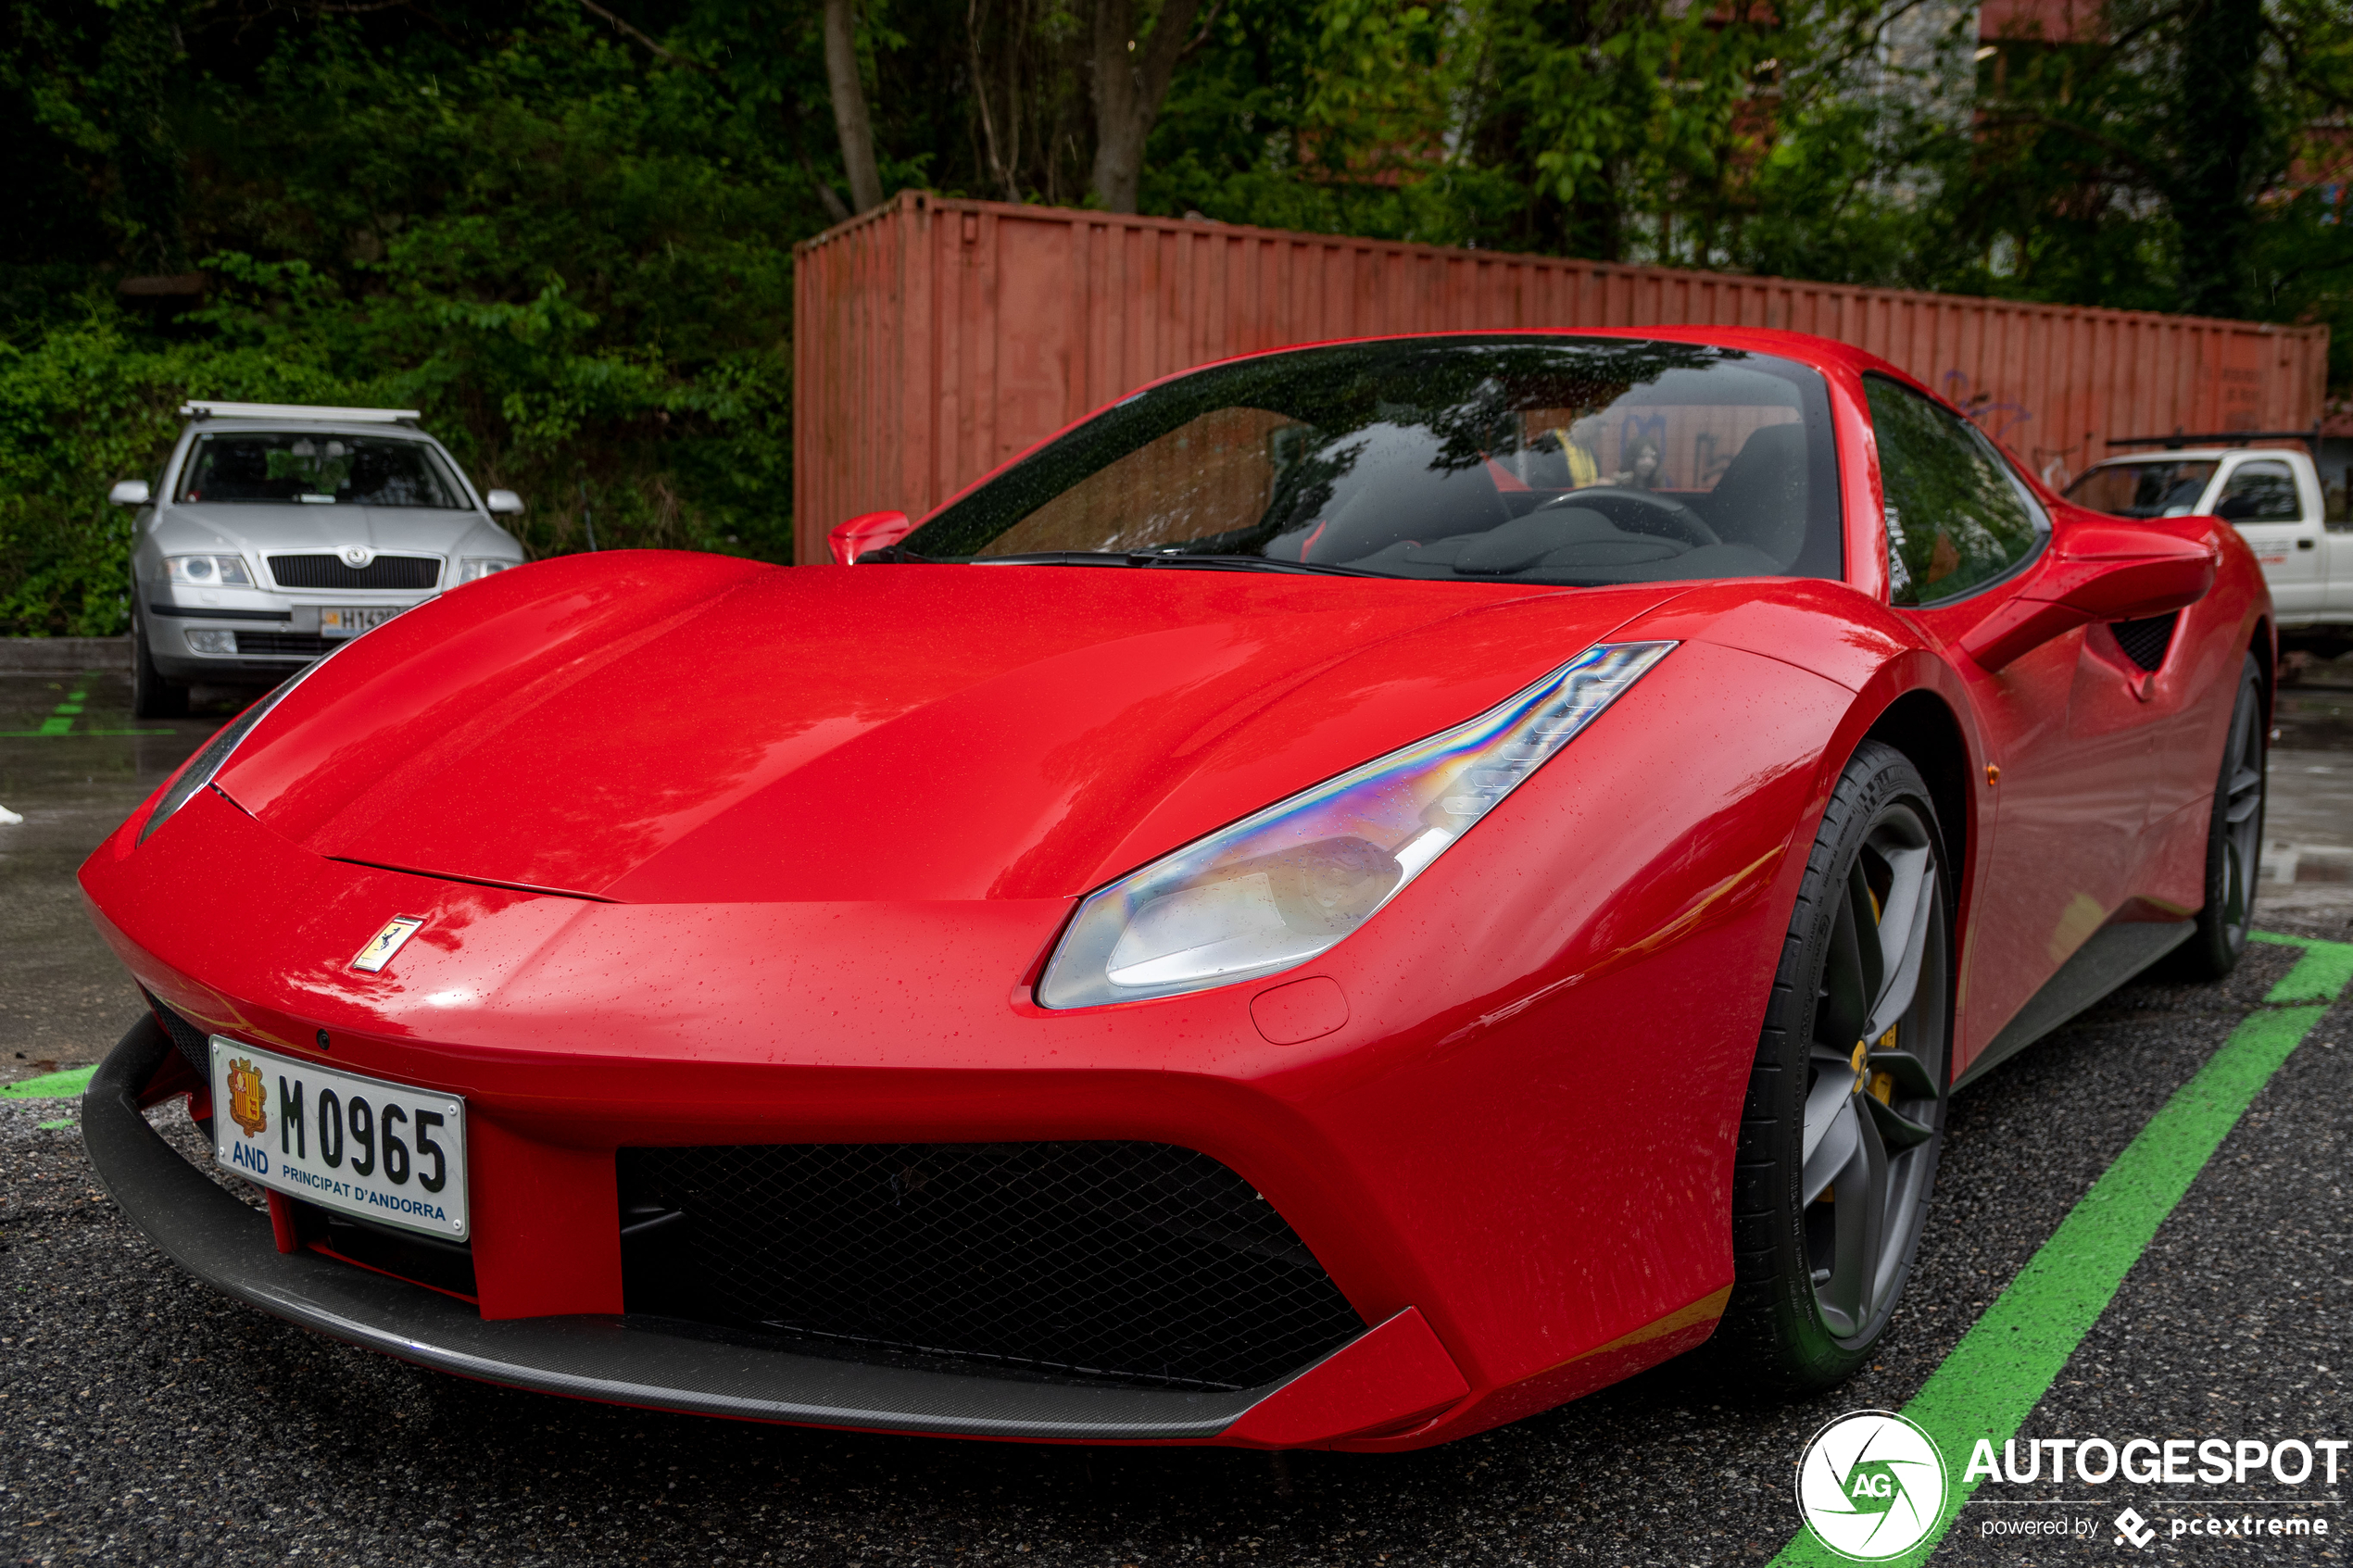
1956,516
2260,492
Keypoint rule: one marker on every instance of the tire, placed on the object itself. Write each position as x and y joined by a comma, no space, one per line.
152,696
1817,1270
2234,839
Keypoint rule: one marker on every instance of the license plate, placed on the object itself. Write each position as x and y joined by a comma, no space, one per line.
360,1146
351,622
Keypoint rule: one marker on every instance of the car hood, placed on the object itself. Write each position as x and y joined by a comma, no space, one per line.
270,529
667,728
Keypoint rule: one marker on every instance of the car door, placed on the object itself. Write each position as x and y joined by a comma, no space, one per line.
2063,725
2336,552
2258,496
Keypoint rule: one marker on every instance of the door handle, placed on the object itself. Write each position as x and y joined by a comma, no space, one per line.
2303,544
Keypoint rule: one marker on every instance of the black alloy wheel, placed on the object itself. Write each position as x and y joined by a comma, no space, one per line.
152,696
1846,1108
2234,839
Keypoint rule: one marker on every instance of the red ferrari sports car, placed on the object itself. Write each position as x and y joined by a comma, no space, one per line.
1355,895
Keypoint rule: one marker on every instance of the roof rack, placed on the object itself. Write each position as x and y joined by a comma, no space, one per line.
2227,438
208,409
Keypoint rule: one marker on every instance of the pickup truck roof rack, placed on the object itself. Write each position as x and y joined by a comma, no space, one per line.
208,409
2226,438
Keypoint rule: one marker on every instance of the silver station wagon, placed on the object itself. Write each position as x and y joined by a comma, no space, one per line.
275,533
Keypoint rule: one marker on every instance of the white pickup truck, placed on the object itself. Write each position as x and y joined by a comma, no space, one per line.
2273,496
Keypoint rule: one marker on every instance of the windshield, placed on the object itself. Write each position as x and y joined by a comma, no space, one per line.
249,466
2160,487
1554,459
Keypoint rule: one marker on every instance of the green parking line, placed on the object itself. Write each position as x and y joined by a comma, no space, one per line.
1999,1371
68,1085
60,723
2318,976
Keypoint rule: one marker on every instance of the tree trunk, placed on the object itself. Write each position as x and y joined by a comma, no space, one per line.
1132,77
849,109
2222,131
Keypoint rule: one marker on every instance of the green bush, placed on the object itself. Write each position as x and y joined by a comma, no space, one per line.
577,269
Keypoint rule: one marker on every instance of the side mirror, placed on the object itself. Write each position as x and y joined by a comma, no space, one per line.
2095,571
503,502
868,531
129,492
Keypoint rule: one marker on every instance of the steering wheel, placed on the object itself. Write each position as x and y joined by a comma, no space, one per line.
1641,512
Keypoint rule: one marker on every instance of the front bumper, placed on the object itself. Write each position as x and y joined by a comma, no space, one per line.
264,633
1387,1380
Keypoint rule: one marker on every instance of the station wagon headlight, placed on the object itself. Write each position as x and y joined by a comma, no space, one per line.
1284,884
207,572
475,566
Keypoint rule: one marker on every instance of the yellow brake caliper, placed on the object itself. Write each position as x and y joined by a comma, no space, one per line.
1881,1086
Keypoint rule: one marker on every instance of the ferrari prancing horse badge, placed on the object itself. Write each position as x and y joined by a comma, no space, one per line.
384,942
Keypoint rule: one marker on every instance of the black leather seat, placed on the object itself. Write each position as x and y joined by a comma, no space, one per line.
1760,501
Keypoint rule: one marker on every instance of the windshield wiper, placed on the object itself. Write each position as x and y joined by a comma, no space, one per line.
1264,563
1157,559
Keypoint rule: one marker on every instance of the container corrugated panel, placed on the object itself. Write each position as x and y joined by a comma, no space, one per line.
934,339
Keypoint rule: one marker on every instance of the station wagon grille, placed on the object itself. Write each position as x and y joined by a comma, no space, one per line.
1134,1264
326,572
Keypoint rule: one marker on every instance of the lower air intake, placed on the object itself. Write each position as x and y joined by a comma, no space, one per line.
1125,1262
309,645
193,1044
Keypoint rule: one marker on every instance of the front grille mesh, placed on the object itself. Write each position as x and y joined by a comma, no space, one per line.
326,572
1129,1262
192,1042
2145,641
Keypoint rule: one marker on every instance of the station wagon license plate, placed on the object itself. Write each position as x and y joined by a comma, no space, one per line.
349,622
363,1146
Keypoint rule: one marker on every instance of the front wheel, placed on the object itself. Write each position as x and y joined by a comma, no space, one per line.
2234,839
1845,1108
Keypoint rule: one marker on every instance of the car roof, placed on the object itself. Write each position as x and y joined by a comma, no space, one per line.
2191,454
304,427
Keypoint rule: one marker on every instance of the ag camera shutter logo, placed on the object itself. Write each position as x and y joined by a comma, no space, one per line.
1871,1485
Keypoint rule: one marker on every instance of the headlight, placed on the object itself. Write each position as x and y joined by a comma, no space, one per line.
217,751
208,571
1288,883
474,567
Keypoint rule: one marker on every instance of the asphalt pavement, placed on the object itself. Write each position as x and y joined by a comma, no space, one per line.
145,1419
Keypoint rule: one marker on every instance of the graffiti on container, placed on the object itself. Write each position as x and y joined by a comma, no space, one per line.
1994,417
2057,464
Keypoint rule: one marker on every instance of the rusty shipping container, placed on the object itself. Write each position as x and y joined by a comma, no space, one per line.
934,339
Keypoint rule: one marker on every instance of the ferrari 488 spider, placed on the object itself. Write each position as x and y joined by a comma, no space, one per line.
1357,893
